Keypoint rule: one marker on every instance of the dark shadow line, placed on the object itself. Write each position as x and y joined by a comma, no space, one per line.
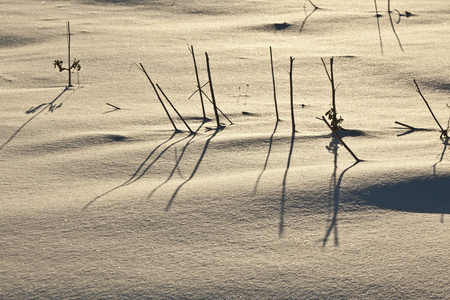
44,107
336,193
307,16
178,167
110,111
413,130
378,16
158,157
194,171
283,191
439,161
135,177
393,27
267,158
442,156
177,163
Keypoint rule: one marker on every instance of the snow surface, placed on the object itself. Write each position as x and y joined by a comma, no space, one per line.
104,203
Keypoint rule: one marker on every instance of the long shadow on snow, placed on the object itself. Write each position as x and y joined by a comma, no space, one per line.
446,144
378,16
177,163
307,16
420,195
142,169
267,158
194,171
335,187
283,191
39,109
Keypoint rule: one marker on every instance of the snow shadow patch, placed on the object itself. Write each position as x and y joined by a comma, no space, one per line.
126,2
437,85
421,195
15,41
275,27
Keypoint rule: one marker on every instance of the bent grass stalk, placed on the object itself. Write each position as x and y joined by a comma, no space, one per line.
292,93
340,139
199,88
209,99
212,91
405,125
274,86
444,132
159,97
173,107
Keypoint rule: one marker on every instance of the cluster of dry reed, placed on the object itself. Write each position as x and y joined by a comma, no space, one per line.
335,122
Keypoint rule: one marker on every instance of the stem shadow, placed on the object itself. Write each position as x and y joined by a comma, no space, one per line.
255,188
335,186
177,163
143,167
194,171
446,144
283,191
393,27
36,111
307,16
378,16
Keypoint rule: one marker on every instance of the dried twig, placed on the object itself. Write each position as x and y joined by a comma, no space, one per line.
274,88
113,106
332,113
292,94
198,81
340,139
212,91
407,126
159,97
173,107
444,132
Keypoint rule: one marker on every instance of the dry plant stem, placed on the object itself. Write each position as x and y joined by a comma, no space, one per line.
407,126
223,114
198,82
197,90
274,87
315,7
159,97
212,91
340,140
333,91
292,94
207,97
116,107
173,107
429,108
68,46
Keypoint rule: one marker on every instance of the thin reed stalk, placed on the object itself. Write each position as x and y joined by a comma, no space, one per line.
340,139
68,53
429,108
274,86
159,97
173,107
292,94
199,87
212,91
